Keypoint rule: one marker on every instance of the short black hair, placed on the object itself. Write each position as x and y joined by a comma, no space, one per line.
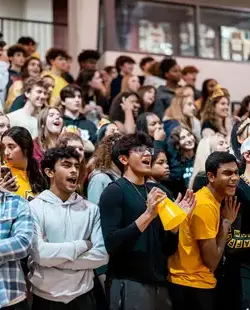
125,144
26,41
216,159
53,155
121,60
88,54
145,60
69,91
166,65
17,48
54,52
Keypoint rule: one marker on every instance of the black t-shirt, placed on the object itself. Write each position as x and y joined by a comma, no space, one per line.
209,125
238,243
134,255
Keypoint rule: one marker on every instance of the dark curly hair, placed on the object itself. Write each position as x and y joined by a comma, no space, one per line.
126,143
53,155
24,70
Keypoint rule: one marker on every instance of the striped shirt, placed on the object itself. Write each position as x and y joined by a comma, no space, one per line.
16,232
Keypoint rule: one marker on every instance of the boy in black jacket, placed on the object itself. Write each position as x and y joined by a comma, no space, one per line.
71,98
134,236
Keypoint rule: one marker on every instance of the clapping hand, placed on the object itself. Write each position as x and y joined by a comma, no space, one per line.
188,202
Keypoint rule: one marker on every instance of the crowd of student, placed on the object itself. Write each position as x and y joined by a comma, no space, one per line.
84,166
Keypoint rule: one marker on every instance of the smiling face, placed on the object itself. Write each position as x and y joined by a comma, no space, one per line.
187,140
37,96
222,108
54,122
34,68
226,179
189,107
160,168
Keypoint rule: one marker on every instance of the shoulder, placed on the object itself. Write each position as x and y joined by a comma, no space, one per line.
207,124
100,176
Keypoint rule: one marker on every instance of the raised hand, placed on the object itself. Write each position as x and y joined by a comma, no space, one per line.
231,209
155,196
188,202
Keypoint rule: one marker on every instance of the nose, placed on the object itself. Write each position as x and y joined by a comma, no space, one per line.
6,152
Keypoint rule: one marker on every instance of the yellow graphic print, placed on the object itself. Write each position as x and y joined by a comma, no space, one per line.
237,240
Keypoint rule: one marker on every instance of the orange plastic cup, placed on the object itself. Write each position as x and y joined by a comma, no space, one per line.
171,214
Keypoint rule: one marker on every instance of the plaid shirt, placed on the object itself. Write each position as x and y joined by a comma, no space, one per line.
16,232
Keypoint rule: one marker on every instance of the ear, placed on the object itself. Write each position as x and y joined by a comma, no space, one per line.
247,157
123,159
50,173
211,177
62,103
27,94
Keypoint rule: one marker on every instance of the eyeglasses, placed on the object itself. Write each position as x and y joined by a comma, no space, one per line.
143,149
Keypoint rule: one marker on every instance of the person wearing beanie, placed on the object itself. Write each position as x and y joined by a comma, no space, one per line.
171,72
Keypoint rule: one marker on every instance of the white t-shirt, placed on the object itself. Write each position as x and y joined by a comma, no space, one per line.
19,118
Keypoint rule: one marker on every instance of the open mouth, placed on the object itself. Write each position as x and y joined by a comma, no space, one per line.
72,180
146,161
57,123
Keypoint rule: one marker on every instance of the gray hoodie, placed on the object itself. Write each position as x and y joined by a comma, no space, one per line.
61,264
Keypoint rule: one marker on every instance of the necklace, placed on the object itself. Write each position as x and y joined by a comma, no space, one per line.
245,179
138,192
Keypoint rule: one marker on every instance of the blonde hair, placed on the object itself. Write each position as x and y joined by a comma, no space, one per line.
175,111
43,140
205,147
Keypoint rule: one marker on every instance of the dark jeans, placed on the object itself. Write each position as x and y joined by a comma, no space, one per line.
20,306
130,295
83,302
185,297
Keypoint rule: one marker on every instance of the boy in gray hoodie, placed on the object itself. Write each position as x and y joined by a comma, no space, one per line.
68,242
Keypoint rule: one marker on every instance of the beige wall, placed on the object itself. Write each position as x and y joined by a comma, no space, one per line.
232,75
83,23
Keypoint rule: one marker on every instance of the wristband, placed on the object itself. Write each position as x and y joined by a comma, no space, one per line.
226,221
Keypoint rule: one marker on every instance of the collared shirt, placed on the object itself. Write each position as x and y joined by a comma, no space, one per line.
16,232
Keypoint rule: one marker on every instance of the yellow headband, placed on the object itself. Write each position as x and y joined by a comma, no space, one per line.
218,92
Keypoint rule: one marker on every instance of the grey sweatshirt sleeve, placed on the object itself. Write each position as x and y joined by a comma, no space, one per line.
52,254
96,186
97,256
